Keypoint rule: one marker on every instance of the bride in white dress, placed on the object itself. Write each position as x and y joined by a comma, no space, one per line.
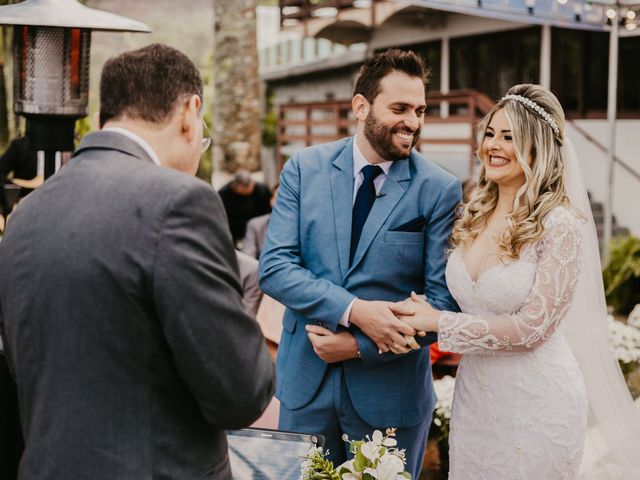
520,406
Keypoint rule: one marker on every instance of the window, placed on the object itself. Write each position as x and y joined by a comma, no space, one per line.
629,77
494,62
580,72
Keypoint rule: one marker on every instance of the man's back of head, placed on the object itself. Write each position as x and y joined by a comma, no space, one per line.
156,93
145,84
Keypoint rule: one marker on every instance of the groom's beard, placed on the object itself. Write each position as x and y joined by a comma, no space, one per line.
381,138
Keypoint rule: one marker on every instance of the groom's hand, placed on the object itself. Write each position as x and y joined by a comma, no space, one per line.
378,322
332,347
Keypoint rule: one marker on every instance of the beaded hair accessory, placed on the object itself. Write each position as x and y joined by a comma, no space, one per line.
536,108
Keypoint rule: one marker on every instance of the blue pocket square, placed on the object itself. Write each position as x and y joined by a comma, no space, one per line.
415,225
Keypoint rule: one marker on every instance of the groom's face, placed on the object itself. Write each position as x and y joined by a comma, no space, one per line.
395,118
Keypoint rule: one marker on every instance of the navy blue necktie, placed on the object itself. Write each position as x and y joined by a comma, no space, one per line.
364,201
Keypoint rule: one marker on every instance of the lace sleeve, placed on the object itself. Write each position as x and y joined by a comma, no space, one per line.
544,307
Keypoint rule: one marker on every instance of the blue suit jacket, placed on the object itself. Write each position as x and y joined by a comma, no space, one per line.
305,265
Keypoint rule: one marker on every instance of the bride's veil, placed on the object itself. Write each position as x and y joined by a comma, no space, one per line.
612,449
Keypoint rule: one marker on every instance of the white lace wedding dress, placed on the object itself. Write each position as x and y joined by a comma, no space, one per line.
520,407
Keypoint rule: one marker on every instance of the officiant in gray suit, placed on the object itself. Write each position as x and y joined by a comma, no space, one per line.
123,321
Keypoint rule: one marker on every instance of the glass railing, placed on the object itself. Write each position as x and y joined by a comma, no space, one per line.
300,51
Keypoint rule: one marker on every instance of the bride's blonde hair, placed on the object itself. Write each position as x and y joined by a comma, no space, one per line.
533,136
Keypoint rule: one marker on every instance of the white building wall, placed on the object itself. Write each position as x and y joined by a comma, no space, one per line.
626,202
267,26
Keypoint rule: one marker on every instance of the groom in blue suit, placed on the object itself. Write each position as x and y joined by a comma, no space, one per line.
358,225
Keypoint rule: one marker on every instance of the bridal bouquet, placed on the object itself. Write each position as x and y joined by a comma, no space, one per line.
375,458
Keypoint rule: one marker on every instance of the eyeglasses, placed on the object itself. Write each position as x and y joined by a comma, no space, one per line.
206,140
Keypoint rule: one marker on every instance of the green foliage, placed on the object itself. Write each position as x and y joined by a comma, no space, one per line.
205,167
379,455
622,274
269,128
360,462
83,126
319,468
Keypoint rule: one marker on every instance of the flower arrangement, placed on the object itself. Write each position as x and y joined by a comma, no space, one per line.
634,317
439,431
625,340
444,388
375,458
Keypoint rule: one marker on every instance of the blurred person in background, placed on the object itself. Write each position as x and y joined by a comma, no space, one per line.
243,199
257,230
20,160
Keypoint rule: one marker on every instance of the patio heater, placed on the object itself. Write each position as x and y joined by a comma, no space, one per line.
51,44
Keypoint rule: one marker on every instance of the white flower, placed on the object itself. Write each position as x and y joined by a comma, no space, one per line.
389,467
351,474
305,468
634,317
384,461
444,388
389,442
624,340
370,450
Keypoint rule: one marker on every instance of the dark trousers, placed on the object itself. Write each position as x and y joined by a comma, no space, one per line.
332,413
11,442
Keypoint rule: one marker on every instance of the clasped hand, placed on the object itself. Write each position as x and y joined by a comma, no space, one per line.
423,317
391,326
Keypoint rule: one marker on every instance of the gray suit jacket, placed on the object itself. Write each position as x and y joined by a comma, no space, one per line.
254,238
122,316
250,283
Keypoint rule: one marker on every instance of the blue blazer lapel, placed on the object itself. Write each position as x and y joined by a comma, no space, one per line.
342,197
393,190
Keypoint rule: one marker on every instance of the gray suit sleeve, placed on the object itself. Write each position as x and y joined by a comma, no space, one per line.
250,242
249,277
218,349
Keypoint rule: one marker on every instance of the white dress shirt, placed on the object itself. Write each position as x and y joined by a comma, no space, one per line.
136,138
359,161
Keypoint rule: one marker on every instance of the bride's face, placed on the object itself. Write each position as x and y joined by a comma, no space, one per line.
499,153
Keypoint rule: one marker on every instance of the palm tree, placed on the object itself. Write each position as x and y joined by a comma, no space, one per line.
236,107
4,113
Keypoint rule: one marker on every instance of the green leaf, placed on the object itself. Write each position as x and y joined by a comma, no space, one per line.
355,446
360,462
621,276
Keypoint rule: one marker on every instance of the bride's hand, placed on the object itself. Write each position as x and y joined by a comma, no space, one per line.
424,318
